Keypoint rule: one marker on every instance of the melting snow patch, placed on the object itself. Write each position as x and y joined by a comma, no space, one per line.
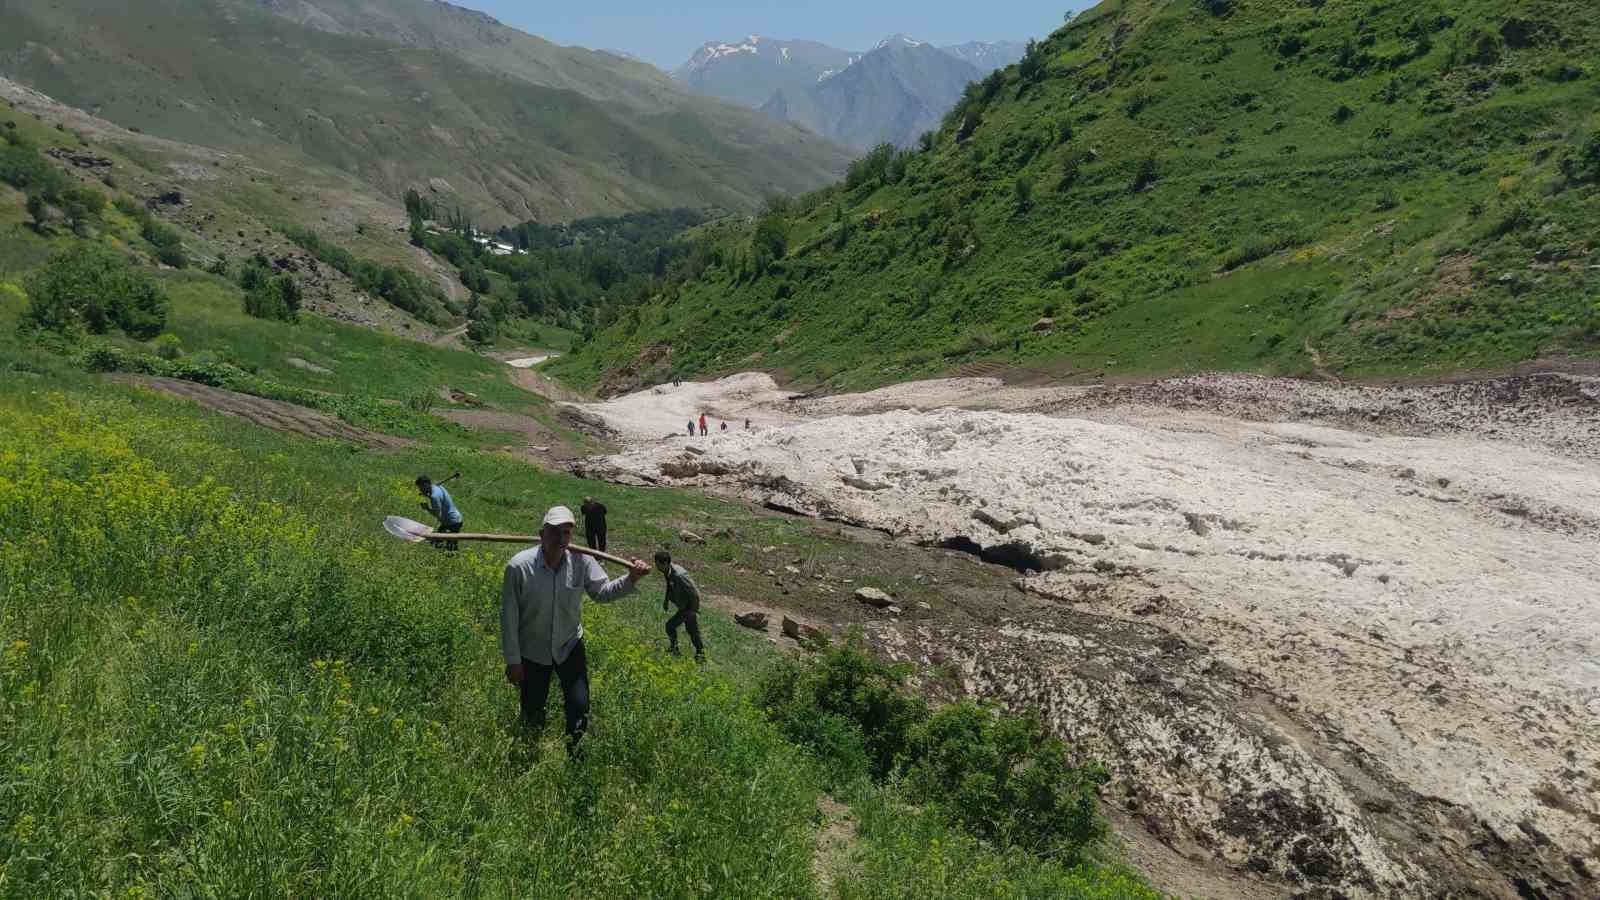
529,362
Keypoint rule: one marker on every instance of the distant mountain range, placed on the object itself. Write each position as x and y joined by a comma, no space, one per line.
411,94
893,92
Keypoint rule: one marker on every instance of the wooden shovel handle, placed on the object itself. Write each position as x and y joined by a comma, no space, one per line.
519,539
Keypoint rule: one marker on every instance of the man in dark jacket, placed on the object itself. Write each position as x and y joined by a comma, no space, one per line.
594,523
682,593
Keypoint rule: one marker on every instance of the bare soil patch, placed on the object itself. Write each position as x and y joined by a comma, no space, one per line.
274,414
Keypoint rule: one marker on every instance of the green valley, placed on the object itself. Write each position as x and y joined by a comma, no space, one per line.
218,675
1376,189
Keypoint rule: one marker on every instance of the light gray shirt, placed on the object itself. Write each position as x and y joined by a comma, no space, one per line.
541,608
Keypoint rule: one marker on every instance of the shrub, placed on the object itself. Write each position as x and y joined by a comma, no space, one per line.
1005,780
96,289
275,297
1022,190
81,205
846,707
168,347
1583,163
1147,173
38,211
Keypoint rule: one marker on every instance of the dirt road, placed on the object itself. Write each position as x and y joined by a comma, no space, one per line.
1348,637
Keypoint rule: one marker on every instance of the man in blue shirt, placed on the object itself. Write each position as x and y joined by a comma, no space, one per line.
437,501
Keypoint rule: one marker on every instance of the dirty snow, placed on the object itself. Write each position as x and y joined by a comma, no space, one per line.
1432,598
528,362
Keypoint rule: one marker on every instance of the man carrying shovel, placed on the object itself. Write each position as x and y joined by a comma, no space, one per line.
437,501
541,629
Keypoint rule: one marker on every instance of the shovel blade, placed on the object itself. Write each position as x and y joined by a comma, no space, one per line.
406,529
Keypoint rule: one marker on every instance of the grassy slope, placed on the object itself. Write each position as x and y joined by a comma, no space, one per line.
398,115
1426,229
218,675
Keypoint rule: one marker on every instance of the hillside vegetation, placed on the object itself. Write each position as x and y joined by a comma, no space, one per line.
219,676
409,94
1271,185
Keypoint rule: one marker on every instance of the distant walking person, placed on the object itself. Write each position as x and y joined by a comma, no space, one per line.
437,501
691,428
682,593
541,622
594,523
724,426
703,429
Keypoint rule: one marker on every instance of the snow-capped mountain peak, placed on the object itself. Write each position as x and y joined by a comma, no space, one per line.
899,40
715,50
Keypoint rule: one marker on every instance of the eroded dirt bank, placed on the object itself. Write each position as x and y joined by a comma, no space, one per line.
1347,637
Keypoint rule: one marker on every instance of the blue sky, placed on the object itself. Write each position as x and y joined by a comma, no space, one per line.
666,33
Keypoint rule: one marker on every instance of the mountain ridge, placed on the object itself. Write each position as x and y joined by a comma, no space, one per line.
427,93
890,95
788,80
1167,186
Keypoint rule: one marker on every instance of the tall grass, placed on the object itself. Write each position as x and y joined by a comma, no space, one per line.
216,678
206,693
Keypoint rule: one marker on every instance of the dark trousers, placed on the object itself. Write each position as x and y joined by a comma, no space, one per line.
690,620
448,528
597,537
574,674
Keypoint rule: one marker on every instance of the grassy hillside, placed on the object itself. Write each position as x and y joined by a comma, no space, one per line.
509,127
1268,185
219,676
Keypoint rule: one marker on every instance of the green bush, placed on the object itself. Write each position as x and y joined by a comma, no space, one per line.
817,703
1005,780
168,347
95,289
275,297
1000,777
1583,163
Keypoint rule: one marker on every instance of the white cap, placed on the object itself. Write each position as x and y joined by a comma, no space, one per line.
559,515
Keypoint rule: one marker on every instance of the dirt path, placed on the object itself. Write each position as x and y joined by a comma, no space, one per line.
274,414
451,338
1345,636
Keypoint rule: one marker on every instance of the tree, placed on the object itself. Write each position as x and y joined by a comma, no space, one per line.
96,289
276,297
1022,189
770,242
39,211
1033,62
82,205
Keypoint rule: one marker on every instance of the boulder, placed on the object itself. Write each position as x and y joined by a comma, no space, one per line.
755,620
689,537
874,597
802,632
1045,324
